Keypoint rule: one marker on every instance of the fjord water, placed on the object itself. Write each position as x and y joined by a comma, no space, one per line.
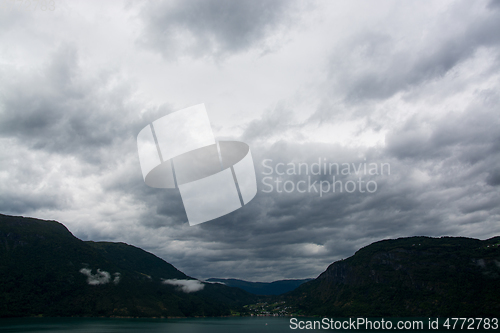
181,325
120,325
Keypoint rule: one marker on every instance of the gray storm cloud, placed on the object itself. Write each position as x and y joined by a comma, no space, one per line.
413,86
214,27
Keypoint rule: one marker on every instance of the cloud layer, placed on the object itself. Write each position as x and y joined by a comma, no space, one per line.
214,27
187,286
100,277
412,86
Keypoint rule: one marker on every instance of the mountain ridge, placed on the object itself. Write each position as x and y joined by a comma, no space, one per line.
262,288
412,276
45,270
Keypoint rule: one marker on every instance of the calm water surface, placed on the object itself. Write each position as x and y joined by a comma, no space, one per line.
185,325
112,325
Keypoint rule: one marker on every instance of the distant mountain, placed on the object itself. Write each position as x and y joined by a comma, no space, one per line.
262,288
416,276
45,270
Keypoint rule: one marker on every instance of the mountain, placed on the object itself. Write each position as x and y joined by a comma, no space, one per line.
416,276
262,288
45,270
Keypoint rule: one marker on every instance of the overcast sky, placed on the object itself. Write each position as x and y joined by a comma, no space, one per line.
398,83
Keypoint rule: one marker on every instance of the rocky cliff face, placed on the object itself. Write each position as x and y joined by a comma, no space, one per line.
416,276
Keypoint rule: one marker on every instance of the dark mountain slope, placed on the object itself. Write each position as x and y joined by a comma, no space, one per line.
262,288
45,270
417,276
132,258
